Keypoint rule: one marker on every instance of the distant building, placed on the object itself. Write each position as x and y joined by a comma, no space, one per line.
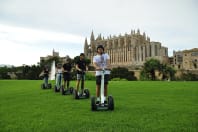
186,59
178,60
130,51
54,54
171,61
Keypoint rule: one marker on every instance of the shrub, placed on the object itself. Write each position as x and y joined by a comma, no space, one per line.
118,79
189,77
122,73
90,76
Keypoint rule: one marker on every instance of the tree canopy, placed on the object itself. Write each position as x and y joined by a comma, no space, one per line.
152,66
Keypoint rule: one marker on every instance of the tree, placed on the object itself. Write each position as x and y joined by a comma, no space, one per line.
49,61
4,72
149,69
153,65
167,72
87,61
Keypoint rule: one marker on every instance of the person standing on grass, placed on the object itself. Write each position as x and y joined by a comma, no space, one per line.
67,72
81,68
100,61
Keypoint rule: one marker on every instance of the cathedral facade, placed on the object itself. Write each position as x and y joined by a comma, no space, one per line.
129,50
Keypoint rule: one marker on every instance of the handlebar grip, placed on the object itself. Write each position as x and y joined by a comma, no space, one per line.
102,69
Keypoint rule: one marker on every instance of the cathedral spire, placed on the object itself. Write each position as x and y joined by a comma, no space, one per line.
86,43
131,32
92,41
86,47
148,38
92,36
138,31
99,37
144,35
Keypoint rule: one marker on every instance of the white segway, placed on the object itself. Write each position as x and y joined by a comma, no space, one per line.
57,86
102,105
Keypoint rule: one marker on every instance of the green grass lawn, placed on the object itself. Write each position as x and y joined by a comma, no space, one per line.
139,106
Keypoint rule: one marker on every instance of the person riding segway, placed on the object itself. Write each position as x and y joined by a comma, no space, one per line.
101,63
66,77
57,86
81,67
45,75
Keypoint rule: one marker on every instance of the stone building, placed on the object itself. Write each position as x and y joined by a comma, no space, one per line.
186,59
130,50
178,60
54,54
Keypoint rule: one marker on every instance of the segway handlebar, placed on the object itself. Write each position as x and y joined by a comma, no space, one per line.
103,69
82,72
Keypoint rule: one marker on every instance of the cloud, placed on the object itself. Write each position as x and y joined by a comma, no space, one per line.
25,45
64,24
34,35
107,17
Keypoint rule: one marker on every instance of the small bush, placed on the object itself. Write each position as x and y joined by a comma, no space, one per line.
90,76
123,73
189,77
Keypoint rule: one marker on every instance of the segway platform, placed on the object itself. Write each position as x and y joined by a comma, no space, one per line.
49,86
84,95
68,91
102,106
56,89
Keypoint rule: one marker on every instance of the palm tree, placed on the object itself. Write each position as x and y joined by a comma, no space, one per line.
150,67
167,72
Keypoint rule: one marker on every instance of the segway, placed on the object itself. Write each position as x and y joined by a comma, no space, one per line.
49,86
84,94
68,91
102,106
57,86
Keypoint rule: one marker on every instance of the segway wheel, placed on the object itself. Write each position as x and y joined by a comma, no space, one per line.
110,103
62,90
55,88
86,91
50,86
93,103
71,89
75,94
43,86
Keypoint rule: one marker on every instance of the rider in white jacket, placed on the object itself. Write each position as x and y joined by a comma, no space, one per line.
101,61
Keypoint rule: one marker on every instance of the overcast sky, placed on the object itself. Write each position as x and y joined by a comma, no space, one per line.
33,28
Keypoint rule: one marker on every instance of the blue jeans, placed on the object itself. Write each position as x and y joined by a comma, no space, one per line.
58,80
45,81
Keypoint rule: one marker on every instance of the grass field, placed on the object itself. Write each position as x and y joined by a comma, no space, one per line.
139,106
